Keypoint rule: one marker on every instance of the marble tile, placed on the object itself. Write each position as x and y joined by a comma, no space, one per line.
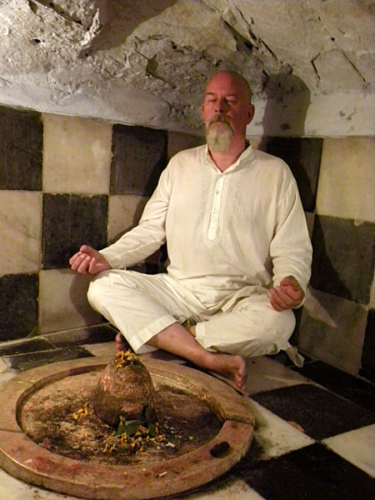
77,155
21,150
333,330
344,257
312,473
357,390
20,229
3,366
68,222
319,412
347,178
62,301
25,346
178,141
223,490
310,218
303,157
124,213
273,436
14,489
27,361
357,447
139,156
18,292
97,334
266,374
102,349
368,359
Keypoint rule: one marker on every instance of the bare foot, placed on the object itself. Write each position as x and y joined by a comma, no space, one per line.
120,344
230,366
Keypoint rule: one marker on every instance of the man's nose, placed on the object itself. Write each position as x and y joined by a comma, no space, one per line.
220,106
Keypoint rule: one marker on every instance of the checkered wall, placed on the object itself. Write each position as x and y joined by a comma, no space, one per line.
65,181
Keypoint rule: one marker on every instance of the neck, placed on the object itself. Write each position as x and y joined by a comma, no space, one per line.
225,160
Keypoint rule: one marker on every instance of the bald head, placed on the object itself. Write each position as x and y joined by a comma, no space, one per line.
237,79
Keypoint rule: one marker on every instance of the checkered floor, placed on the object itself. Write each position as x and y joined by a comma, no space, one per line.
314,436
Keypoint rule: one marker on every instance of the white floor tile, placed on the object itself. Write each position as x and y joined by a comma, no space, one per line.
266,374
273,436
101,349
357,447
235,490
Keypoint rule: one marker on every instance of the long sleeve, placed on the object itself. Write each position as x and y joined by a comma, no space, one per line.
142,241
290,248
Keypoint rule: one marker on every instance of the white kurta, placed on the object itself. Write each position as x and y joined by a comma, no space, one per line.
227,232
231,236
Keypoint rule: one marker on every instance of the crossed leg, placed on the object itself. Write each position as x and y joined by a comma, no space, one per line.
179,341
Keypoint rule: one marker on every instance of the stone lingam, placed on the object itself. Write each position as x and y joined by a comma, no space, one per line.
125,389
120,428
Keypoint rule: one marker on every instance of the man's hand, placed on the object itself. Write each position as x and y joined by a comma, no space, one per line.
88,261
288,295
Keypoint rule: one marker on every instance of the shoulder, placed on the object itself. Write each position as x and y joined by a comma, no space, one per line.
188,155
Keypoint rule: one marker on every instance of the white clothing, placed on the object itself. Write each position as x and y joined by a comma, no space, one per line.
142,305
229,234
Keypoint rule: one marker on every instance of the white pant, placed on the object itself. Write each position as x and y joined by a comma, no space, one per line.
142,305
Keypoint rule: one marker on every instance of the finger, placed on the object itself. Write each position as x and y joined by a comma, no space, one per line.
74,258
276,301
76,261
295,295
285,300
85,263
291,281
93,266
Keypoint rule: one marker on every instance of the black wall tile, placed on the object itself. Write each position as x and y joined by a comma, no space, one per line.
344,257
70,221
19,305
303,157
368,356
139,156
21,146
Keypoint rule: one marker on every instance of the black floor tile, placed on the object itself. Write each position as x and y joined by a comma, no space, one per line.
312,473
318,411
32,345
23,362
91,335
353,388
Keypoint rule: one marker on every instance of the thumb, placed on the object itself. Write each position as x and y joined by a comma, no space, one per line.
290,281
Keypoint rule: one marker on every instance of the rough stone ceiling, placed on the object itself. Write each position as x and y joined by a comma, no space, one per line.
146,61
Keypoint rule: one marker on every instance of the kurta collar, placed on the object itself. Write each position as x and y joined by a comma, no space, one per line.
245,154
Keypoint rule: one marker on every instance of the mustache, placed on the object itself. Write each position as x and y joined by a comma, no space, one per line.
218,119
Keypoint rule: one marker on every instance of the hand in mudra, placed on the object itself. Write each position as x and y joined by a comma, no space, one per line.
288,295
88,261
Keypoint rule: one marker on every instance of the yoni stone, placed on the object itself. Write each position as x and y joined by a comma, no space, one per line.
125,389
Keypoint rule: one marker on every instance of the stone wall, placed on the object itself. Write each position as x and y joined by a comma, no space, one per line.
65,181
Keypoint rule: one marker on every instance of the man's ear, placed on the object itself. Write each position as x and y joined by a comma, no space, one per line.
250,113
202,112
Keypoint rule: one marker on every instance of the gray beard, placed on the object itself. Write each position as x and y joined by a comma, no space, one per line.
219,138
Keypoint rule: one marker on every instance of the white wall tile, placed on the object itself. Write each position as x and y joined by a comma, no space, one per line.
77,155
20,229
347,179
62,301
332,329
124,212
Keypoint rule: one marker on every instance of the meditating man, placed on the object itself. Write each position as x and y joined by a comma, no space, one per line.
238,247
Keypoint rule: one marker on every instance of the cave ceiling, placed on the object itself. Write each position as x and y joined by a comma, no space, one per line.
120,57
